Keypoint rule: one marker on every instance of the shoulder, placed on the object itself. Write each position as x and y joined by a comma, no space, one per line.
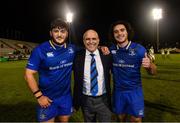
73,48
109,56
43,45
139,49
80,55
113,47
71,45
81,52
137,46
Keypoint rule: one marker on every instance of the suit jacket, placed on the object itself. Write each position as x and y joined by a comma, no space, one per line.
78,67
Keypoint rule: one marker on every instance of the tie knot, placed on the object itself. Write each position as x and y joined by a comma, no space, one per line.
92,55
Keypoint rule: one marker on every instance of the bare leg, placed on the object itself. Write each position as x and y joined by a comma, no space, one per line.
64,118
136,119
122,117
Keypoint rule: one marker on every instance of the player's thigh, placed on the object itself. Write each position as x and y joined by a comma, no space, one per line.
119,103
64,118
136,103
64,105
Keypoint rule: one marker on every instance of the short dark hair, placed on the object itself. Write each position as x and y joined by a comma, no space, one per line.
59,23
128,27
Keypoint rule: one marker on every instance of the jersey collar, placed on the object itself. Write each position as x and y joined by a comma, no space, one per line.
126,47
54,46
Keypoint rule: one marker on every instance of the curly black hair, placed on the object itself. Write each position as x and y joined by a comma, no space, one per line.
59,23
128,27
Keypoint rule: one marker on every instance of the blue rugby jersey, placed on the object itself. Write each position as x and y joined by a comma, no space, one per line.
126,66
54,66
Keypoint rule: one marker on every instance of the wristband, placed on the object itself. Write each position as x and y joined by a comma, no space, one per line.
36,92
39,96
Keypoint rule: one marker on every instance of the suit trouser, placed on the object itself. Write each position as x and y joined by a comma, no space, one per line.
96,109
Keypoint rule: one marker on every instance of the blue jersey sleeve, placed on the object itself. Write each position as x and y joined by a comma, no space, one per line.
141,51
34,60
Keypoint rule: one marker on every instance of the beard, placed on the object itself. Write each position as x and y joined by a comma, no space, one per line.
59,43
122,41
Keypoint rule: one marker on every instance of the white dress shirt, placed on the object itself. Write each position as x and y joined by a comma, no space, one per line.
100,77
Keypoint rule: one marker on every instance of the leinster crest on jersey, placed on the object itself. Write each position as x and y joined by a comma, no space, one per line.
50,54
70,50
132,52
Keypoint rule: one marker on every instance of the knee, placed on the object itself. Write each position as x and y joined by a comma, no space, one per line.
63,118
136,119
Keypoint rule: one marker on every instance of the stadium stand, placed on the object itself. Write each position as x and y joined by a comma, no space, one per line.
15,49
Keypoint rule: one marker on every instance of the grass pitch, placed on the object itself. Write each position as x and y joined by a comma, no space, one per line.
161,92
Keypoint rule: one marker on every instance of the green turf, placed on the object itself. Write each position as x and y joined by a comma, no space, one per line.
16,101
162,93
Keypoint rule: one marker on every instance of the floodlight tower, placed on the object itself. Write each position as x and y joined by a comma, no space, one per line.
157,15
69,18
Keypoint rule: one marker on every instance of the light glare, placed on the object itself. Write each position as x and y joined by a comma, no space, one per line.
157,14
69,17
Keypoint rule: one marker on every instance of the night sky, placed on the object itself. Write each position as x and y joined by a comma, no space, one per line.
32,18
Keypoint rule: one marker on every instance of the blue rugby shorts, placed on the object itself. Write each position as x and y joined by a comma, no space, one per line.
129,102
59,107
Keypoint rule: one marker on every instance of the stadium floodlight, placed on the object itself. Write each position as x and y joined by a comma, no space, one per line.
157,15
69,18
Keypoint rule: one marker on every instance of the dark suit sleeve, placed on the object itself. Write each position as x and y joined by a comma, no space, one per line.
108,74
76,90
75,93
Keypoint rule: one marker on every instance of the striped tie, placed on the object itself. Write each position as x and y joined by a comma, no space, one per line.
93,76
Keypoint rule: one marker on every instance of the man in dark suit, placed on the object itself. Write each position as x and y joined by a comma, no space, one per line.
92,80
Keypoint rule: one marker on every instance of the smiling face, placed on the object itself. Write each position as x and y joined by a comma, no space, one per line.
120,34
91,40
59,35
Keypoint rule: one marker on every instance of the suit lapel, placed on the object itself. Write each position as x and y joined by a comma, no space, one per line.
102,59
81,63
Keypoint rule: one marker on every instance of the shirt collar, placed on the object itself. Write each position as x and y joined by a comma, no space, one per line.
126,47
96,52
56,46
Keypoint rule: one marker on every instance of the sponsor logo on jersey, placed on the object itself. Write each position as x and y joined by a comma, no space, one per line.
63,61
61,66
123,65
121,61
50,54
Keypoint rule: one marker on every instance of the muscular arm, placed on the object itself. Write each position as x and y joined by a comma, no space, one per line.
31,81
148,65
43,101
